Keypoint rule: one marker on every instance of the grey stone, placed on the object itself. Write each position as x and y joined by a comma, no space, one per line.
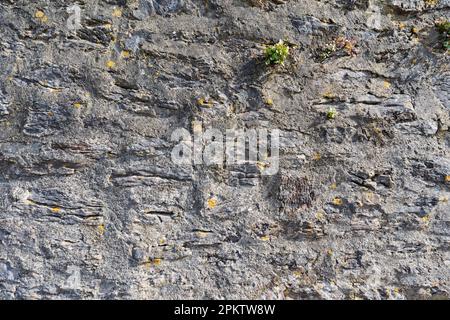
312,25
93,207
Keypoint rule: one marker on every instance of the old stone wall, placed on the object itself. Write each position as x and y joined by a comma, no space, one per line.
92,206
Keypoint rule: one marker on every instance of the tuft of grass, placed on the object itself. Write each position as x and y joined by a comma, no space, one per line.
444,28
277,53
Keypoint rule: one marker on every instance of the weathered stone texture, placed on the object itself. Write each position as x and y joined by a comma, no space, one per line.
358,209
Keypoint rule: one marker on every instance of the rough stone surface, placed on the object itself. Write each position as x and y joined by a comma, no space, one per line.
92,206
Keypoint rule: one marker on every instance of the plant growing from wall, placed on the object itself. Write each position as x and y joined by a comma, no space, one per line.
444,28
331,113
277,53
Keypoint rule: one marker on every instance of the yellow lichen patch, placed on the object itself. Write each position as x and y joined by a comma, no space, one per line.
316,156
110,64
41,16
197,127
117,12
377,130
329,95
337,201
415,30
447,178
200,101
320,216
212,203
333,186
204,102
152,262
401,26
426,219
162,241
330,252
265,238
297,273
125,54
261,165
55,209
156,261
431,3
269,101
101,229
77,105
386,84
201,234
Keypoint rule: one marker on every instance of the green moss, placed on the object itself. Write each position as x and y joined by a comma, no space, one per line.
277,53
444,28
331,113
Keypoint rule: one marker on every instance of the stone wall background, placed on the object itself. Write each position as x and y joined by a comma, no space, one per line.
92,206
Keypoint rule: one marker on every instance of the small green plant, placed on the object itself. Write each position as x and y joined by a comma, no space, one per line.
329,49
277,53
444,28
331,113
340,45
